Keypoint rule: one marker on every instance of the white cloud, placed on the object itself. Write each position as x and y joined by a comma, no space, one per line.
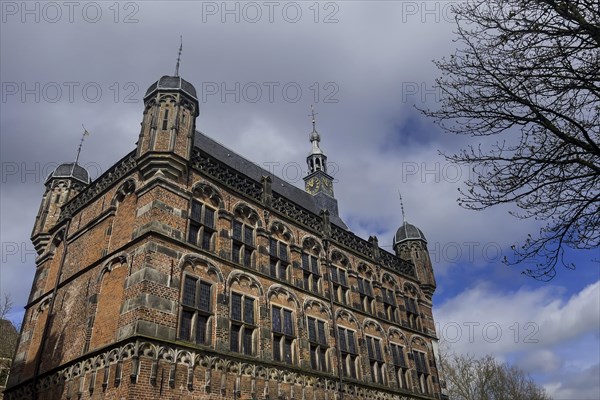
581,385
539,330
521,320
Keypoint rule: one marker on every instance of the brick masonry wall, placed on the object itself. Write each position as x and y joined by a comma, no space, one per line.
127,257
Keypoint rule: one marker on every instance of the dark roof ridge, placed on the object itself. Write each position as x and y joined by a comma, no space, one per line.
255,171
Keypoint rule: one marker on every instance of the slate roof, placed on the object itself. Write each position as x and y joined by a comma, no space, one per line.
256,172
408,232
70,170
172,82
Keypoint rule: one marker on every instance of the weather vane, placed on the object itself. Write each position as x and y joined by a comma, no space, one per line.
402,206
179,55
85,133
312,114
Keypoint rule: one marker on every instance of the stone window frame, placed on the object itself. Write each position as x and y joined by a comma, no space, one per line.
319,350
243,244
400,365
377,365
283,336
243,325
197,310
279,259
348,347
422,371
312,277
198,227
364,288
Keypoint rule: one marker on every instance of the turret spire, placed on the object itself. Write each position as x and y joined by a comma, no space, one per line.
316,158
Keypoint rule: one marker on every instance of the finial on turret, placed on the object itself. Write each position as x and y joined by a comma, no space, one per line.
312,114
85,133
314,135
402,206
179,55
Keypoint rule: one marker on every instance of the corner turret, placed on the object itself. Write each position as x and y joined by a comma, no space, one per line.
64,183
168,126
410,244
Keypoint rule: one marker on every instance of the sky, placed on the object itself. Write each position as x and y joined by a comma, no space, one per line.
366,66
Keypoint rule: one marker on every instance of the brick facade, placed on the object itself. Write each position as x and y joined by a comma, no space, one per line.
177,276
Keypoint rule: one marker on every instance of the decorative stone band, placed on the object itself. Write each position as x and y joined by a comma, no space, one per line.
137,363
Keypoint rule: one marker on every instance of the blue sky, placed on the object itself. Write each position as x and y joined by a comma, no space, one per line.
364,65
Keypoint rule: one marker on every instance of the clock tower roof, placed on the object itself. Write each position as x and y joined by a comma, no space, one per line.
318,182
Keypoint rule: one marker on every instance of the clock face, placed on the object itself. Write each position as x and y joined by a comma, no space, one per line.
328,187
313,185
317,184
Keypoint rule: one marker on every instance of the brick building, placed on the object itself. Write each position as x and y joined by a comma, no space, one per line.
188,272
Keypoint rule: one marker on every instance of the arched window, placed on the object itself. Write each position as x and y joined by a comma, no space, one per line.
311,273
196,310
375,359
365,289
279,259
202,225
400,366
243,323
243,243
422,371
390,307
412,313
282,326
388,298
317,338
413,319
348,351
339,279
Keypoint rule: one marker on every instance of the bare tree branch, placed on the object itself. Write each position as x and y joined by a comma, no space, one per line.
471,378
8,332
528,72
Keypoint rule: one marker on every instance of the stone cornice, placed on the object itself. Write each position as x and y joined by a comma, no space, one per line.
99,186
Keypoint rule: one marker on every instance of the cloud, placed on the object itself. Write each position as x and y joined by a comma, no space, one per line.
484,319
541,330
581,385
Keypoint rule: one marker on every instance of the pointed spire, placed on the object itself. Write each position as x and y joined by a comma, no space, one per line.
318,181
85,133
179,55
402,206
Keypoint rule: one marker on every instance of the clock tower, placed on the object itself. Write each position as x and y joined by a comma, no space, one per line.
318,180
